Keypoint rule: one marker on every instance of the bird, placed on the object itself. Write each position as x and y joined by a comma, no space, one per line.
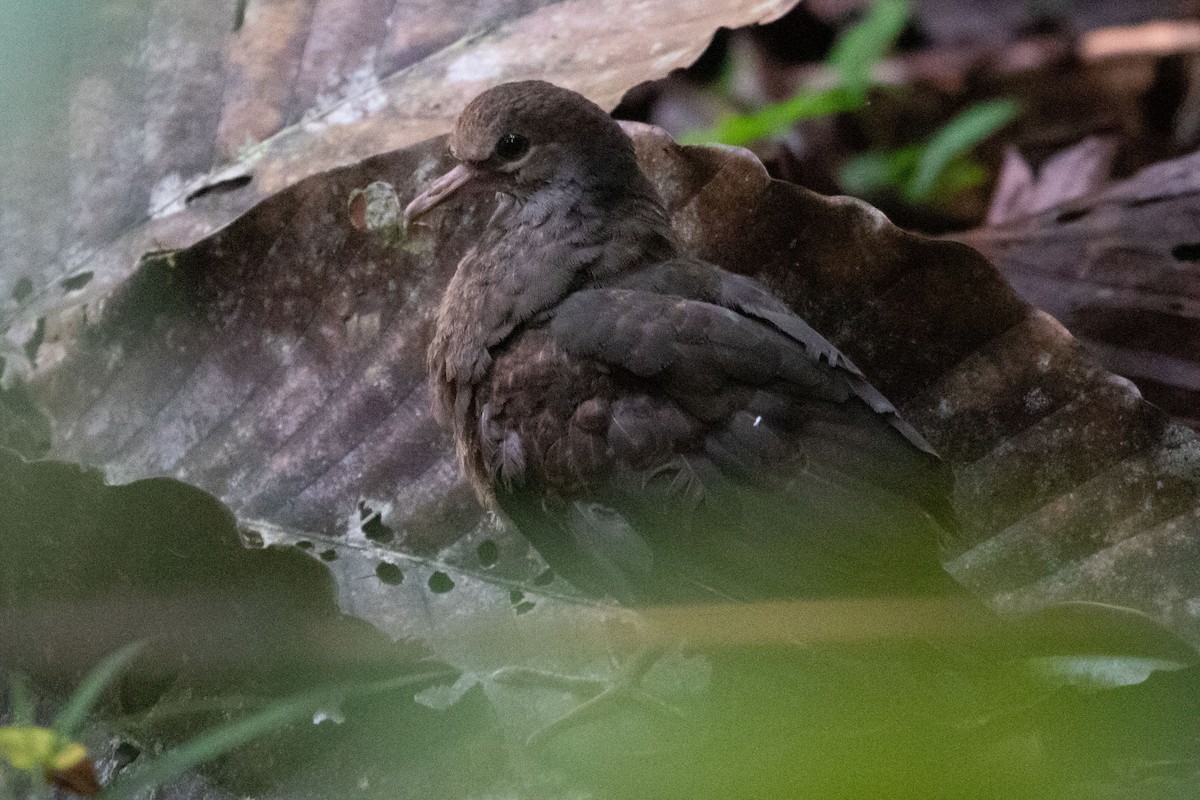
665,432
660,429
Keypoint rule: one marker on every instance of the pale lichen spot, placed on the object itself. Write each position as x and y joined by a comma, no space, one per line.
481,64
1036,400
376,207
167,197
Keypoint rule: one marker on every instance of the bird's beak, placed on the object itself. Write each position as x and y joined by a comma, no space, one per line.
438,191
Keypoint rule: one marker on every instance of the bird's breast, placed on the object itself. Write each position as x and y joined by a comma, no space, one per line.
569,422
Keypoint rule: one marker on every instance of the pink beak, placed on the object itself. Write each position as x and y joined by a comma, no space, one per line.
438,191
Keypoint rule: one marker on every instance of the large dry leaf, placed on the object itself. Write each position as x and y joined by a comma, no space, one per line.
162,149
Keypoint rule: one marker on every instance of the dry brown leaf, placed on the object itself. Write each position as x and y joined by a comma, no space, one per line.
1120,269
147,133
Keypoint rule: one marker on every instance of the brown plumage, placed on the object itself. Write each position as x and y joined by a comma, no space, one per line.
662,430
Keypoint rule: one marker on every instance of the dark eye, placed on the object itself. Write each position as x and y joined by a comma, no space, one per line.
511,147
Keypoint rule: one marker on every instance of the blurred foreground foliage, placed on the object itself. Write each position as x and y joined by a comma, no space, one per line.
820,699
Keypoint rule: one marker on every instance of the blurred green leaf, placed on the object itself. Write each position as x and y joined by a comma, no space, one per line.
938,167
219,741
852,58
957,137
869,172
858,50
81,702
776,118
961,173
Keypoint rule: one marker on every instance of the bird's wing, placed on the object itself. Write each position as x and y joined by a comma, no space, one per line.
751,298
694,279
763,365
741,464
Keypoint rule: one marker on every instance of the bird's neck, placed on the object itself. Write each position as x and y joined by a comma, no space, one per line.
536,251
616,230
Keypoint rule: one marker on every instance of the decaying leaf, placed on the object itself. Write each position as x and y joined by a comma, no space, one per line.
218,116
1119,268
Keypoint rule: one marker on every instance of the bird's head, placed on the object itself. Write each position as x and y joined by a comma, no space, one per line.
520,137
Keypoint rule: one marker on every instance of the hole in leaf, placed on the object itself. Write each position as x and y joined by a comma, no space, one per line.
125,754
75,282
376,531
440,583
22,288
1072,215
304,544
1148,201
239,15
389,573
488,553
220,187
523,608
35,341
545,578
329,555
1186,252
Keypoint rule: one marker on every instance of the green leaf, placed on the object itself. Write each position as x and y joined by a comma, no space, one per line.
93,685
210,745
956,138
869,172
858,50
961,173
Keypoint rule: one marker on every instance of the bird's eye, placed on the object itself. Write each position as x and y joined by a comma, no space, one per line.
511,147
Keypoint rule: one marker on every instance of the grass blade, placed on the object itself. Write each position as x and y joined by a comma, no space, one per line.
93,685
208,746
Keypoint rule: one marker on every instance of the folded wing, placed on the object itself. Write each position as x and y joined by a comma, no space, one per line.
733,453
